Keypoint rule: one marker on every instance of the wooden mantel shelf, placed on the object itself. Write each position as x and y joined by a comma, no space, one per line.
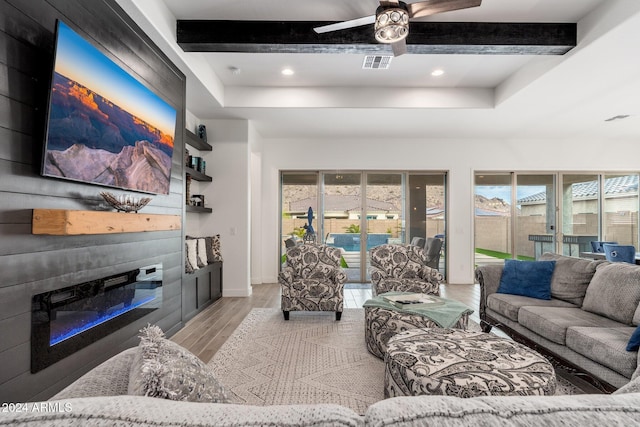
61,222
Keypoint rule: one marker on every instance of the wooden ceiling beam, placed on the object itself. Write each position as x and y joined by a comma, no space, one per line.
482,38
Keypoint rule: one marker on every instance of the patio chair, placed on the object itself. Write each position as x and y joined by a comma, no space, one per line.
418,241
402,268
433,248
597,247
289,243
312,280
620,253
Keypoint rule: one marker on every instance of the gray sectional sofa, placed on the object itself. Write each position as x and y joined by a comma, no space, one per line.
585,326
100,398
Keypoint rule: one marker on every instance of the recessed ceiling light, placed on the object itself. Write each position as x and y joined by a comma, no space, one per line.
287,72
437,72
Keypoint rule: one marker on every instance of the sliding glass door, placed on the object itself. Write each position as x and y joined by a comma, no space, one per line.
342,218
362,210
515,216
620,209
493,200
427,210
298,193
358,210
384,217
535,215
580,194
522,215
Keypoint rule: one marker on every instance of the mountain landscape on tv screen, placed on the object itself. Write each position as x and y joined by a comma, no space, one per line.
91,139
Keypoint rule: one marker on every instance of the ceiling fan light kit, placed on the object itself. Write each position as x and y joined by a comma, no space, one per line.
392,23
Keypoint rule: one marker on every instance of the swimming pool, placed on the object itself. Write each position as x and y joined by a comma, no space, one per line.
350,242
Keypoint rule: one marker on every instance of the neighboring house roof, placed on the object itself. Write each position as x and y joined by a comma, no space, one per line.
487,212
345,203
589,190
434,211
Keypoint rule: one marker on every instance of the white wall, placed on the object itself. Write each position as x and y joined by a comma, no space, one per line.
461,158
256,206
229,196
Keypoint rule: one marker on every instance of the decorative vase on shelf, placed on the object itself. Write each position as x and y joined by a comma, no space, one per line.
202,133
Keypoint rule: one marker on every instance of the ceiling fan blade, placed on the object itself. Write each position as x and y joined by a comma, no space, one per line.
366,20
431,7
399,48
389,3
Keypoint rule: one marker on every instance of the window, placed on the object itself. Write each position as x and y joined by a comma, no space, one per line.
516,213
356,210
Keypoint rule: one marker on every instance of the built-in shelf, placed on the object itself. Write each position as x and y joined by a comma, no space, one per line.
62,222
195,142
198,176
198,209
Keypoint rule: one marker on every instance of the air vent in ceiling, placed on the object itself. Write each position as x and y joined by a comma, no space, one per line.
376,62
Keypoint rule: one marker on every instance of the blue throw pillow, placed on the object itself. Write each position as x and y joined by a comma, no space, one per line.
527,278
634,341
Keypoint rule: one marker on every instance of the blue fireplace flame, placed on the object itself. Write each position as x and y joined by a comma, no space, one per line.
63,321
97,321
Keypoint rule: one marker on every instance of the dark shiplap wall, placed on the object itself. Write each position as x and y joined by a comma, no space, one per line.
32,264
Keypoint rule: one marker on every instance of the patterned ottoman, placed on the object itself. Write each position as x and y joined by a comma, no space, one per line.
461,363
382,320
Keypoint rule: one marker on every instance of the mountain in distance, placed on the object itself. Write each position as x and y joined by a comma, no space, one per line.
142,167
495,204
90,139
392,194
77,115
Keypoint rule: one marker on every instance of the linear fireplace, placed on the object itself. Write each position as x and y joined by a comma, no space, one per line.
65,320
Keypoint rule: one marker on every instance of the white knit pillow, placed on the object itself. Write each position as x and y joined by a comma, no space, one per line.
192,253
202,252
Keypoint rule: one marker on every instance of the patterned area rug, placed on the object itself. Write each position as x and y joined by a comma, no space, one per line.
309,359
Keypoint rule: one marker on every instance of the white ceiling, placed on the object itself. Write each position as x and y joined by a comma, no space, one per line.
479,96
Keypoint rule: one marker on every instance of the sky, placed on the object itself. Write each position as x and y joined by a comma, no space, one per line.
78,60
504,192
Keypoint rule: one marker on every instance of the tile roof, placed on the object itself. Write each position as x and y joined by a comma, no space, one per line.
589,190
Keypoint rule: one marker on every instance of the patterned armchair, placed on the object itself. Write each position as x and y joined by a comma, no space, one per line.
312,280
402,268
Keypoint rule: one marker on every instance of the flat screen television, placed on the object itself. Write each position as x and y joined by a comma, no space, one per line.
103,126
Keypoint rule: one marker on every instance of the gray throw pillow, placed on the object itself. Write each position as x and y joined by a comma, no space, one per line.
571,277
614,292
208,242
164,369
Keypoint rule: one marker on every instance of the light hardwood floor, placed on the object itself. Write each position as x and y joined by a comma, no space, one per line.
205,333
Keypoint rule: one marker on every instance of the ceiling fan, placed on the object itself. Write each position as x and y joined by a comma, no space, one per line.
392,19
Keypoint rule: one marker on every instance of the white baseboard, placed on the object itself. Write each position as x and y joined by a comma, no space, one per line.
229,293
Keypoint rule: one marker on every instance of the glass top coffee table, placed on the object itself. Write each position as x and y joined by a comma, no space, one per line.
383,319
